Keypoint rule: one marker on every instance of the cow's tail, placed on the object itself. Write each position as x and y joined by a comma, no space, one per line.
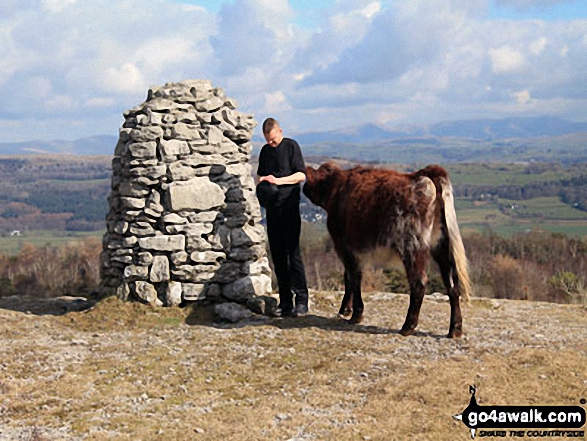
456,248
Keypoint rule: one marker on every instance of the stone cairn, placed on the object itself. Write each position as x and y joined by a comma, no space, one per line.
184,221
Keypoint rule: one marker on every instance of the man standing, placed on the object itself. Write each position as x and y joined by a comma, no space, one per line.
281,164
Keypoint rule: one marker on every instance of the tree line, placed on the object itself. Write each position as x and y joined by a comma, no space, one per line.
531,266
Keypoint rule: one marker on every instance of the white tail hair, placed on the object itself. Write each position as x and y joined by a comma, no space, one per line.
457,250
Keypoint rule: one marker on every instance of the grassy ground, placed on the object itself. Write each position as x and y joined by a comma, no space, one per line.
548,214
40,238
124,371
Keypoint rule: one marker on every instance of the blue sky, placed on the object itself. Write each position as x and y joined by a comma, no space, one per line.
70,68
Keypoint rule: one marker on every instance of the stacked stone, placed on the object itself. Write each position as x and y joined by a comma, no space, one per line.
184,221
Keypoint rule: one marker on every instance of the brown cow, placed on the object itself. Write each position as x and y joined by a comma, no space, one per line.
409,214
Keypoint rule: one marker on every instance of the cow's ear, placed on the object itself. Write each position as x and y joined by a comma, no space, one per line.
329,167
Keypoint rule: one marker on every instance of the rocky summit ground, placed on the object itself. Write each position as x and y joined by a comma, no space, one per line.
126,371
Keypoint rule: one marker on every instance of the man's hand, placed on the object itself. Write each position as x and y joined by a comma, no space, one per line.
270,178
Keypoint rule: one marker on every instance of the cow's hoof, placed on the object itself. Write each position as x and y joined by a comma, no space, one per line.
345,312
406,332
356,319
456,333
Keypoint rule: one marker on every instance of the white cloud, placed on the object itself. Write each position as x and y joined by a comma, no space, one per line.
505,59
253,33
127,78
57,5
388,61
523,97
99,102
538,46
276,102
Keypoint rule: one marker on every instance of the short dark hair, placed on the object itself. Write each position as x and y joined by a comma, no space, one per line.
269,124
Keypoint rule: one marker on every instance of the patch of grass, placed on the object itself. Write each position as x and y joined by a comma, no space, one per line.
12,244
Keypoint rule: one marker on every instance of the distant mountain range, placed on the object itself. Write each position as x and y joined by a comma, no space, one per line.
482,129
93,145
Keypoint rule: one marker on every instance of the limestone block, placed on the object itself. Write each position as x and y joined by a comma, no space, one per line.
180,171
248,235
193,291
186,132
260,266
190,273
237,221
154,214
246,287
152,173
232,312
121,148
129,241
215,136
159,269
123,291
163,243
143,149
174,147
251,253
146,133
195,194
207,257
240,170
132,189
145,258
228,272
210,105
179,258
204,217
222,239
173,294
121,259
173,218
146,181
195,243
132,203
135,272
148,293
198,160
230,117
189,118
142,229
120,227
142,162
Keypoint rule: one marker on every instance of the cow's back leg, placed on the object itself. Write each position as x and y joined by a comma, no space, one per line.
441,254
346,306
415,264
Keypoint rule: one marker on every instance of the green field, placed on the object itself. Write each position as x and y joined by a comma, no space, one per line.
507,217
12,244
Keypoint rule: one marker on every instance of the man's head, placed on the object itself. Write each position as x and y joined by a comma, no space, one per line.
272,132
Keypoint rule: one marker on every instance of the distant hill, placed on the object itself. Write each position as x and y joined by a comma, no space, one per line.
509,139
493,129
484,129
90,146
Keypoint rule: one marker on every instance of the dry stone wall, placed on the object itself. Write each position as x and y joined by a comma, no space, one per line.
184,221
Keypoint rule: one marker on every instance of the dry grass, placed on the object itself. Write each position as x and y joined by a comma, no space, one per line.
125,371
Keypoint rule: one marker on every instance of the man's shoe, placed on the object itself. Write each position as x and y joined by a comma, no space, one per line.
300,310
284,311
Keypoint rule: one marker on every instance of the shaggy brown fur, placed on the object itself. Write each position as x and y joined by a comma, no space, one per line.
410,214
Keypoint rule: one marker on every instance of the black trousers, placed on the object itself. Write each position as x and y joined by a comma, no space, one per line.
283,229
